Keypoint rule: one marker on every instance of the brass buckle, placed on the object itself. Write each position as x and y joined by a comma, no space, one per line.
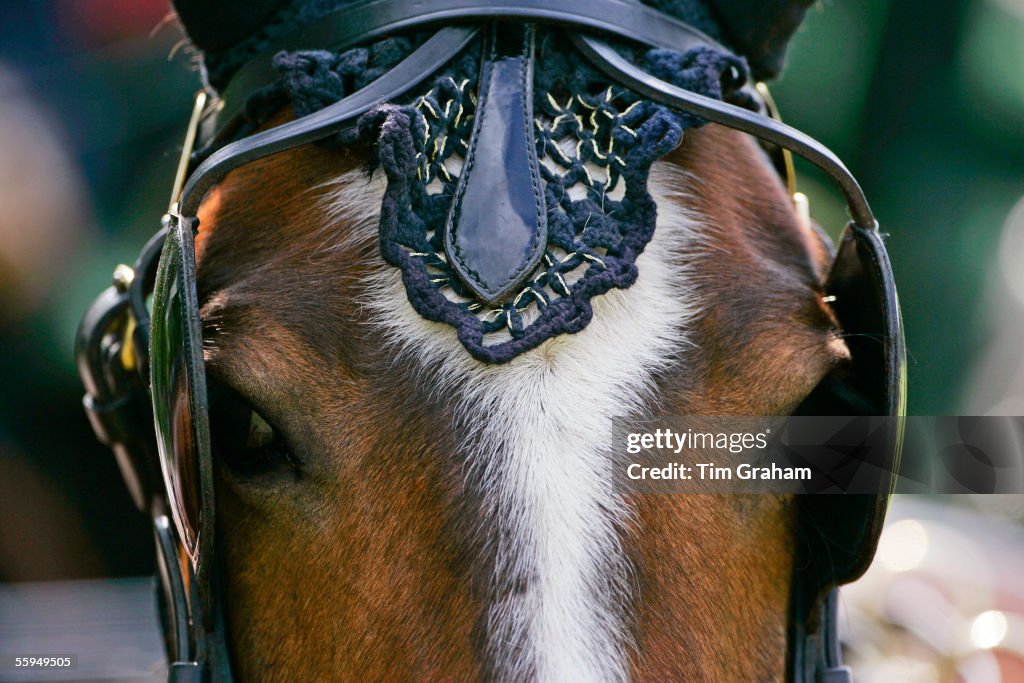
801,204
187,147
125,274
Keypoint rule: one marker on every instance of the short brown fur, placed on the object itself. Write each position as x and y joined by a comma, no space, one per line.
360,567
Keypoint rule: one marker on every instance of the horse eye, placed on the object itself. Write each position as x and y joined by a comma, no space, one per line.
261,434
242,438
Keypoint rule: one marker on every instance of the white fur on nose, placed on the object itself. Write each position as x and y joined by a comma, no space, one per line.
537,432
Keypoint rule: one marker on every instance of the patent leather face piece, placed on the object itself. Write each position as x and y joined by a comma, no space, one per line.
497,228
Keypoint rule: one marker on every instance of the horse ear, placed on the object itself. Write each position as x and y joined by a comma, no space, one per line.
219,24
761,29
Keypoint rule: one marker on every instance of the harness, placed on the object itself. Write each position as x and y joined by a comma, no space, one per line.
141,367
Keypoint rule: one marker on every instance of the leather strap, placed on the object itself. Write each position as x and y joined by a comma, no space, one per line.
426,60
375,19
830,658
175,604
815,656
621,71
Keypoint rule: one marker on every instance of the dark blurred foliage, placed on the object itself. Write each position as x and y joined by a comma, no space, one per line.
96,75
924,100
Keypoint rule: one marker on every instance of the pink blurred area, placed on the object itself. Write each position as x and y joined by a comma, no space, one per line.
98,22
943,601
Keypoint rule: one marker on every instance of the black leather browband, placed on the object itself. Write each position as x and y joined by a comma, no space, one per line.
448,42
408,73
368,21
621,71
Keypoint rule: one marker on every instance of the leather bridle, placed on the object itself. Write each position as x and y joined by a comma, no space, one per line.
113,342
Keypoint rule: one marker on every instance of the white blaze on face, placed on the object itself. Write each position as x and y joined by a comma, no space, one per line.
537,445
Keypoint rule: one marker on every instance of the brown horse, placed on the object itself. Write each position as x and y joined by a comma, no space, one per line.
448,516
390,508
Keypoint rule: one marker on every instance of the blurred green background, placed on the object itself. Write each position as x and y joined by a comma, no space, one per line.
923,100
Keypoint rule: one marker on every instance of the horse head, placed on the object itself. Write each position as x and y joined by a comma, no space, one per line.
405,488
407,481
